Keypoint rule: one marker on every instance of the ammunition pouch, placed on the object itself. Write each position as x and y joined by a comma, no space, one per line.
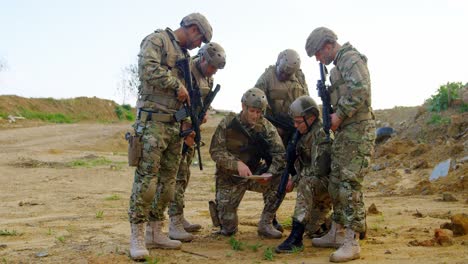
135,148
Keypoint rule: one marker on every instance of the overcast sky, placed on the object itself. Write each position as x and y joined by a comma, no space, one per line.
66,49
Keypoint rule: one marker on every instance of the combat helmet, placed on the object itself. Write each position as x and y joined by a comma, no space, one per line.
256,98
288,62
214,54
201,22
303,106
318,38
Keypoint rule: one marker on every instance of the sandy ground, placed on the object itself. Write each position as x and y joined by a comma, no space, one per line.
64,193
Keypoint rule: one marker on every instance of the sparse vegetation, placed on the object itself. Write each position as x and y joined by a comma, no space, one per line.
437,119
48,117
124,112
268,254
287,223
445,95
6,232
90,162
99,214
236,244
255,246
113,197
61,239
150,260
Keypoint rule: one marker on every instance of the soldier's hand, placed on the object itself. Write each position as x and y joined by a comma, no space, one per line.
267,178
190,139
290,186
335,121
243,169
183,95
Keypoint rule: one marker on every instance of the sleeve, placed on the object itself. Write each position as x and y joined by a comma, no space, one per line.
150,69
277,150
218,149
301,77
356,76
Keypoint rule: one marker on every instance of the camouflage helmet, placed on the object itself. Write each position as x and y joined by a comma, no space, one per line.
303,106
256,98
288,61
318,38
201,22
214,54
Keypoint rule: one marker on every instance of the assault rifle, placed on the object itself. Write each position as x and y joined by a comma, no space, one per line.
256,143
190,110
325,96
291,156
283,122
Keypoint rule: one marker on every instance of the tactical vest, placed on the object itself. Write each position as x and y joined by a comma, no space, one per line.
158,97
339,89
280,95
238,145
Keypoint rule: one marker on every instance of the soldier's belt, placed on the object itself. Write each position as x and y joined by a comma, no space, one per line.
146,116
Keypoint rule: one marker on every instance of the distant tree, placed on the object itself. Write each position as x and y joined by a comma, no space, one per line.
127,87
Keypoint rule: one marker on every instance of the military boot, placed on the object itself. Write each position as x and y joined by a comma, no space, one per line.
155,238
138,250
189,227
177,231
294,240
334,238
277,225
266,229
349,250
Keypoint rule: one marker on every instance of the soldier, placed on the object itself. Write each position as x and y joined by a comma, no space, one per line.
354,126
313,202
243,145
282,84
210,58
161,94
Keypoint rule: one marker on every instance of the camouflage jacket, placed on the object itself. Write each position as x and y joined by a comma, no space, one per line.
313,153
227,160
159,76
199,80
351,86
281,94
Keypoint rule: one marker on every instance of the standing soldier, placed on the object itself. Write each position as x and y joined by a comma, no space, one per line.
244,145
161,94
354,126
313,202
210,58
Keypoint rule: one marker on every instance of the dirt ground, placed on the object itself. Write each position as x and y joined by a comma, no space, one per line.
64,192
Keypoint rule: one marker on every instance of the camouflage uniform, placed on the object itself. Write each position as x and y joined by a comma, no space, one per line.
313,203
157,103
280,94
226,149
353,146
176,207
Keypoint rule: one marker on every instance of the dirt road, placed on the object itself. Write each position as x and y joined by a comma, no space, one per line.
64,194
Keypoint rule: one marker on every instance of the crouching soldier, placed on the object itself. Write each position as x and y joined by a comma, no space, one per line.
313,203
247,145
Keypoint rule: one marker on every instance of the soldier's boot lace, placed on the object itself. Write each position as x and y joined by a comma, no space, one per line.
155,238
265,227
349,250
294,241
177,231
333,239
189,227
138,250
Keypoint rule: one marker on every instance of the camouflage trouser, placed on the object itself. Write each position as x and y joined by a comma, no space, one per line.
351,154
229,193
313,202
176,207
158,167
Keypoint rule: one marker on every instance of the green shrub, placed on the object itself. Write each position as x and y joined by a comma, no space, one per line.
48,117
124,112
446,93
437,119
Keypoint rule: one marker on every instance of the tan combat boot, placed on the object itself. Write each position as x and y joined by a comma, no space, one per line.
349,250
189,227
333,239
265,227
177,231
155,238
138,250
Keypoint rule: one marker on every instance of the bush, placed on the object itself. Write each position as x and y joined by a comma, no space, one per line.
49,117
444,96
124,112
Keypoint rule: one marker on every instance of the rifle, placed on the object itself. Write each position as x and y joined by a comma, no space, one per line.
256,142
195,99
291,156
325,96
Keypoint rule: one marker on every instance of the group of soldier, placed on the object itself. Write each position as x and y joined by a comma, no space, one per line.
277,112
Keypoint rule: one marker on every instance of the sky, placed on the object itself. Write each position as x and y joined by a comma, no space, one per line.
65,49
